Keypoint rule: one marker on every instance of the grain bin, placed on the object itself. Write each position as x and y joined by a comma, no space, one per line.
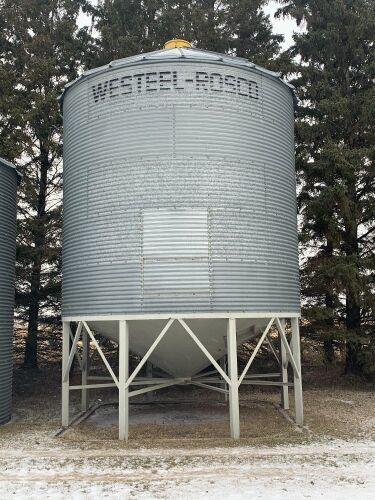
179,202
8,189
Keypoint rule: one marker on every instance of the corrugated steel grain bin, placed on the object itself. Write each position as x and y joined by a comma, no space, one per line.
179,188
8,190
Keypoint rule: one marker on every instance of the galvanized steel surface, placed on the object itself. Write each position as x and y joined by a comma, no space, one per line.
8,189
179,188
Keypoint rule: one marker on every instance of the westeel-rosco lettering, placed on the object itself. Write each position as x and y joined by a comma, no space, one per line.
172,81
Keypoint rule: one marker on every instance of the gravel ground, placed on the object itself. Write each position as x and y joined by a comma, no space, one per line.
329,470
180,448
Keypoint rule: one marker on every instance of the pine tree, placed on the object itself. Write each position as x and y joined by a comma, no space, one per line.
336,152
128,27
250,32
41,50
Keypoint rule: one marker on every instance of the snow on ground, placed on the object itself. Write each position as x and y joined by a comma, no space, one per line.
330,470
179,447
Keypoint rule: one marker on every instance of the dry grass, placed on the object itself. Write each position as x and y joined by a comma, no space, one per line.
334,407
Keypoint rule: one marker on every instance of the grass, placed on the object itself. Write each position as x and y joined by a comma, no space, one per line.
335,407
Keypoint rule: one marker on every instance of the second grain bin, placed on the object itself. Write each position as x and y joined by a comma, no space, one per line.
8,190
179,202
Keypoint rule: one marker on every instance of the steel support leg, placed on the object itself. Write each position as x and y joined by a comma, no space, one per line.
234,411
296,350
284,373
65,384
85,369
123,377
224,365
149,395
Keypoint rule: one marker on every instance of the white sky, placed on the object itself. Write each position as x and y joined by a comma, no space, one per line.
281,26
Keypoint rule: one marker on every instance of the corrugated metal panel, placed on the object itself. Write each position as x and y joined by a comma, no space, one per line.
175,256
8,188
133,159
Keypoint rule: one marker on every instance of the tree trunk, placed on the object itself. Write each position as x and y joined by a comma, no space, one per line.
353,322
328,351
31,348
328,343
353,310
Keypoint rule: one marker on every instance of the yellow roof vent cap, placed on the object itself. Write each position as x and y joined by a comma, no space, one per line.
176,42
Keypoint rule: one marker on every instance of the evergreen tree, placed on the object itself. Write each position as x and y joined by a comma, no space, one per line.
250,32
335,160
128,27
41,50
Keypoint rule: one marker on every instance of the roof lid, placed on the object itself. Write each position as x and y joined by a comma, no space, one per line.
181,53
6,163
176,42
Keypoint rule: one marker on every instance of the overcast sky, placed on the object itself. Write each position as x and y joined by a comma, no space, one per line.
284,27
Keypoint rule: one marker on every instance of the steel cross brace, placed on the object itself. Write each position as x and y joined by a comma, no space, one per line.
204,380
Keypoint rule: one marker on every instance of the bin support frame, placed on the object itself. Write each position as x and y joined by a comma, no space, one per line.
224,378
